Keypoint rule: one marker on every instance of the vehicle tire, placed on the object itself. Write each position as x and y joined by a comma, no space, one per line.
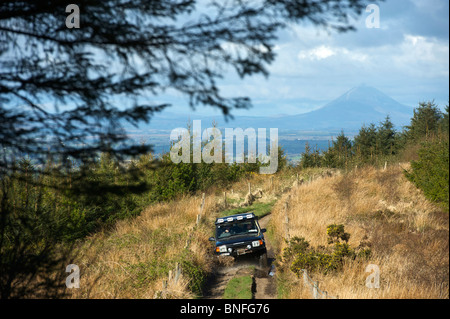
263,260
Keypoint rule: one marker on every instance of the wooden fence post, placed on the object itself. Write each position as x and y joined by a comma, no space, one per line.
286,221
315,289
305,277
201,208
225,199
198,219
177,272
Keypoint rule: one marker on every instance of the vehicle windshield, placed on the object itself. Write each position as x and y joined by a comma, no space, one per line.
245,228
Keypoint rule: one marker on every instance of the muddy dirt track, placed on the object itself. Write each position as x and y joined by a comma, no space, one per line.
264,285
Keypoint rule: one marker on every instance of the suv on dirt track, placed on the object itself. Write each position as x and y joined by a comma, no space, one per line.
238,235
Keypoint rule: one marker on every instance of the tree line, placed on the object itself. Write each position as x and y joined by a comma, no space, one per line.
424,143
56,205
110,71
46,209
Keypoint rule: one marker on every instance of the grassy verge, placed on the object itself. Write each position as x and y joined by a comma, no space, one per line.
134,259
259,209
239,288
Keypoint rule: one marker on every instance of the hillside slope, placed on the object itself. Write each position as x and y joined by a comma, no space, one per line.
407,235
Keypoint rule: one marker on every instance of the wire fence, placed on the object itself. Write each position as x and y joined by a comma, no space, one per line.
313,286
175,275
308,282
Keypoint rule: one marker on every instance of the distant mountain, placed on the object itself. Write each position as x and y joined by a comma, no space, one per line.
359,106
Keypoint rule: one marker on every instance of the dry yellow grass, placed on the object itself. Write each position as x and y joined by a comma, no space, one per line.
133,260
408,235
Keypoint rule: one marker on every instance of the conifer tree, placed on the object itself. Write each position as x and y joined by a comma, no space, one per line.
386,137
364,144
425,121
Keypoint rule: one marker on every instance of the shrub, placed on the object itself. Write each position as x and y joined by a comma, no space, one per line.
430,172
344,188
300,255
336,233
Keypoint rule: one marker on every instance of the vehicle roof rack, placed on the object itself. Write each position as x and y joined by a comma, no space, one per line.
232,218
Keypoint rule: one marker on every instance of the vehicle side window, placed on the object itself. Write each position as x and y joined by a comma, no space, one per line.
223,231
251,227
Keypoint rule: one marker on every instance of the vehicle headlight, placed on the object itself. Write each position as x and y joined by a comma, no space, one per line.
256,243
221,249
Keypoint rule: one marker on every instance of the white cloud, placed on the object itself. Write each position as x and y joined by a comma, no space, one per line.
319,53
421,48
416,56
324,52
407,59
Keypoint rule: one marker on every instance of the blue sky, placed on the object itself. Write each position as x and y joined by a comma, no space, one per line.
407,58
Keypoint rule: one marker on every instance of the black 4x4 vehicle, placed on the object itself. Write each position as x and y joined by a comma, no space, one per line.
240,235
